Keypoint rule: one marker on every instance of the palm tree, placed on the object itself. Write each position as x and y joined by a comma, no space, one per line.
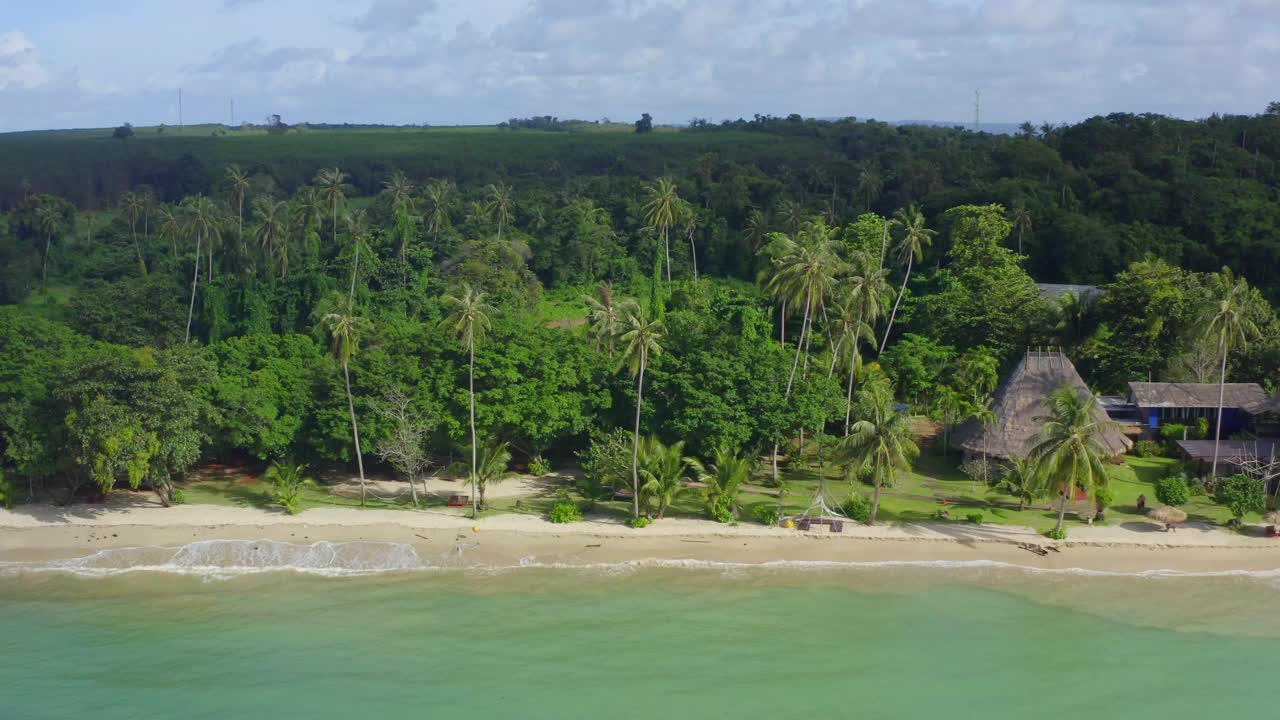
664,469
358,222
49,220
1021,219
333,188
1229,320
792,215
271,230
661,210
437,214
689,218
870,184
134,206
605,315
468,318
724,478
1068,451
287,480
400,189
346,331
170,226
500,204
304,213
849,329
756,229
642,339
202,221
494,461
882,440
915,238
238,185
1018,480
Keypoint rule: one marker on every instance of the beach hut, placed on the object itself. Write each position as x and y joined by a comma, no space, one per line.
1019,404
1160,404
1168,516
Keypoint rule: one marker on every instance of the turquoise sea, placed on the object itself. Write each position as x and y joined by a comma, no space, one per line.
227,632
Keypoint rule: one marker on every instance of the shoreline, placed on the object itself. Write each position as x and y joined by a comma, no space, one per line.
41,533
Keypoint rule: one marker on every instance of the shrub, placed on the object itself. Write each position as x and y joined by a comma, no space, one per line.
539,466
639,522
565,512
768,514
606,463
1241,495
722,509
1173,490
1148,449
1173,432
1056,534
857,507
288,480
1201,430
1103,497
458,469
8,493
975,518
177,497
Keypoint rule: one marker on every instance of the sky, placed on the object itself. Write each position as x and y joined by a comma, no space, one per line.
86,63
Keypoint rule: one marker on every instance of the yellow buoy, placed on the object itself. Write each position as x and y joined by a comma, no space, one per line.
475,528
790,524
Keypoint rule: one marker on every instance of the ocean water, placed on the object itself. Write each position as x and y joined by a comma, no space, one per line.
370,631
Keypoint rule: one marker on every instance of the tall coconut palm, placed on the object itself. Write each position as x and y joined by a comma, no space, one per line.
439,196
689,219
500,204
238,186
641,338
358,224
850,329
724,478
661,211
202,221
1230,324
468,318
792,216
333,188
882,440
915,238
756,229
1068,451
271,230
495,461
1021,219
148,199
663,470
870,184
305,210
605,315
134,206
346,331
169,226
400,189
49,220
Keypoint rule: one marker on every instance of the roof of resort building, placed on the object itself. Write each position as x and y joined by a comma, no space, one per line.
1020,407
1195,395
1202,450
1268,406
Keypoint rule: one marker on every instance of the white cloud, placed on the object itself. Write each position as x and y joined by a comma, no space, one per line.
19,67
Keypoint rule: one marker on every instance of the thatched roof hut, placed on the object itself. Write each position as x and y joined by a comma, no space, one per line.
1020,400
1168,515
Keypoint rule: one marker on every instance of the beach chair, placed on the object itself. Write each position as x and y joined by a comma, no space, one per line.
459,500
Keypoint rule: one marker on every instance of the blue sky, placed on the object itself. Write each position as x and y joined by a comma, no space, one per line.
83,63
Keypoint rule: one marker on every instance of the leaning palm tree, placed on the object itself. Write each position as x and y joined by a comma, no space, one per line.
641,338
202,221
661,210
1021,219
500,204
346,331
882,440
495,461
915,238
238,186
333,187
689,219
271,230
438,200
663,470
1230,323
468,318
1068,452
49,221
724,478
358,223
134,205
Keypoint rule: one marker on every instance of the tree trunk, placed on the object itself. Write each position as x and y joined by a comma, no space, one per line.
783,323
44,265
413,489
209,270
693,253
141,262
1019,239
1062,508
195,278
471,389
355,430
875,498
795,364
848,401
355,268
884,240
1222,385
635,443
893,315
666,242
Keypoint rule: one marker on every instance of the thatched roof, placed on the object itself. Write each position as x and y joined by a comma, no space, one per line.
1168,515
1021,400
1195,395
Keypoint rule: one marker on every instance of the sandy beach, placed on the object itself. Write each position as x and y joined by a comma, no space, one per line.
45,532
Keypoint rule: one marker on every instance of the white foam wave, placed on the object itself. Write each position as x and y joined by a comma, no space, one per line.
228,558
